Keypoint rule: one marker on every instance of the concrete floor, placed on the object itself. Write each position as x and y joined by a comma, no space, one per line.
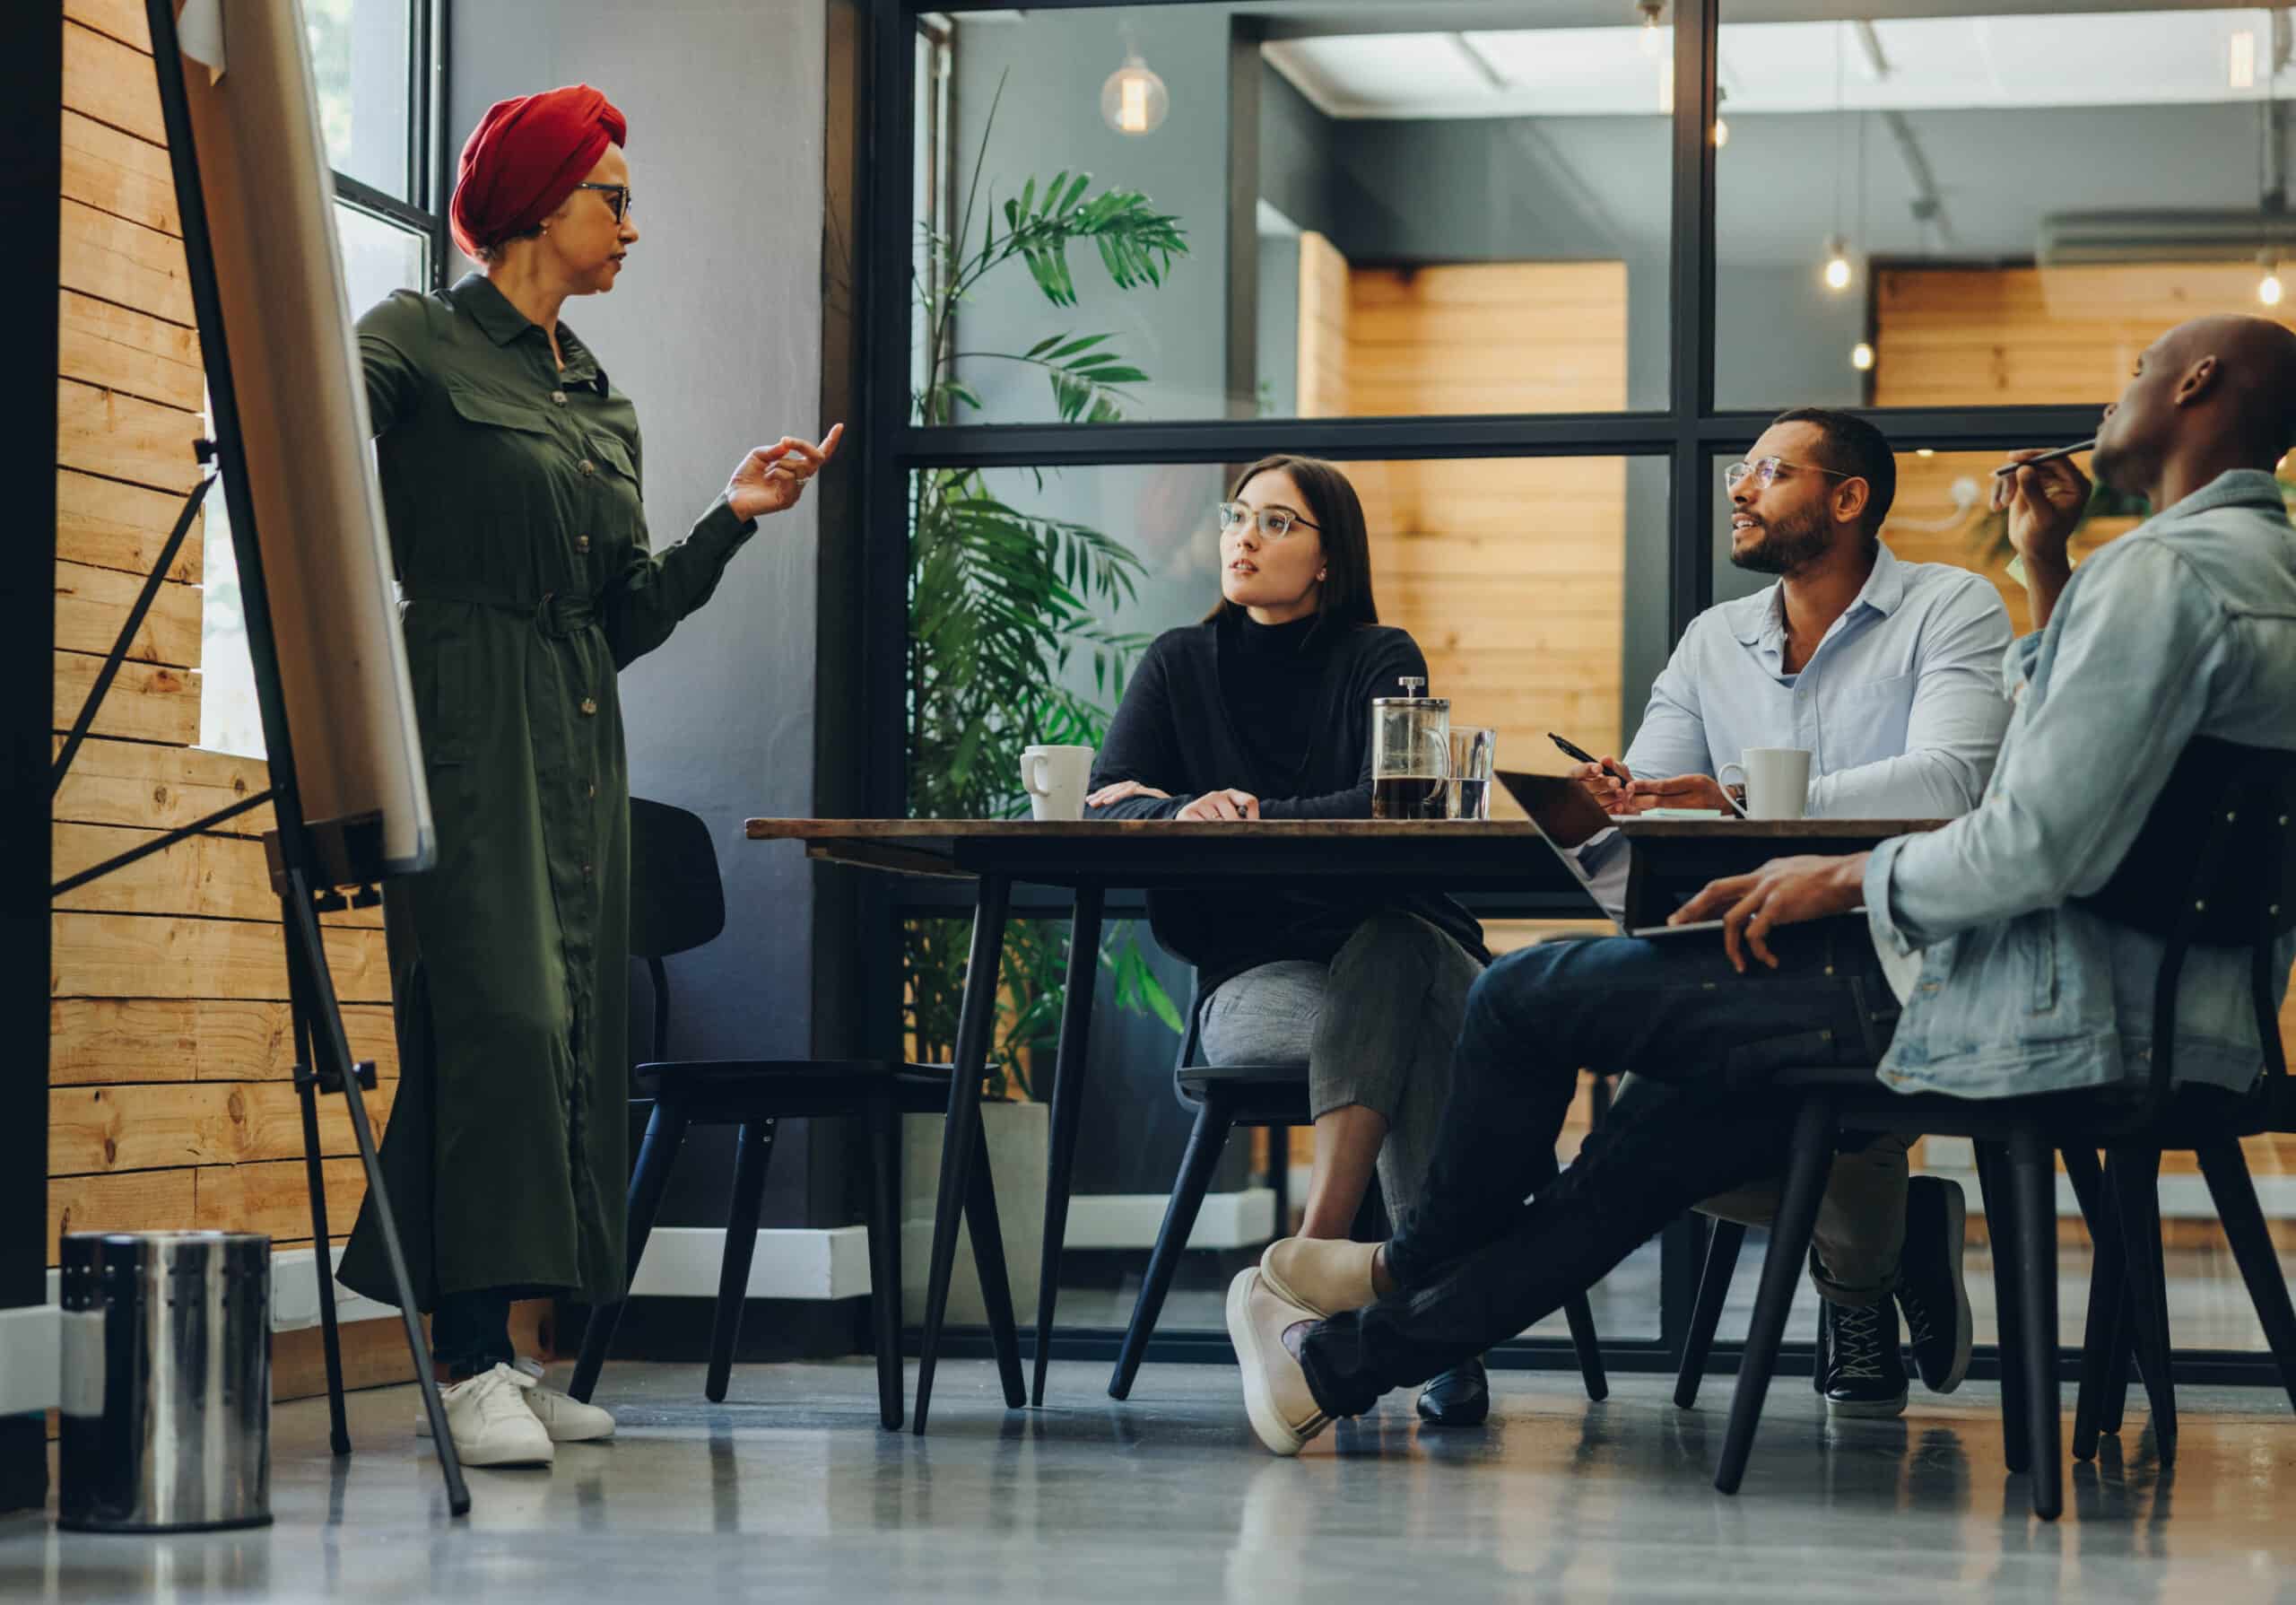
791,1490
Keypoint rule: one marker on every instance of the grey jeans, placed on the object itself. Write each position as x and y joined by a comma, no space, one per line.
1376,1026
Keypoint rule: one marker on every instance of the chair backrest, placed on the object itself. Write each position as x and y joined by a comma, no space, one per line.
676,899
2215,863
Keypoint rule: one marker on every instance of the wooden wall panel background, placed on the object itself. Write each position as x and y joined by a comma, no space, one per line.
170,1101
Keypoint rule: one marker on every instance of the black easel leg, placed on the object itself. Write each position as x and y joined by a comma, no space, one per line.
308,977
1808,1165
753,1154
1725,1238
322,1245
975,1026
1205,1143
884,1256
2032,1185
664,1135
1068,1113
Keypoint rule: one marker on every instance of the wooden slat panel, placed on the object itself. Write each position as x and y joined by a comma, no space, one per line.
275,1197
130,955
120,174
208,878
123,19
123,437
112,83
101,1130
92,605
374,1356
115,260
1503,288
151,1200
160,788
146,702
108,525
102,1041
1322,365
114,348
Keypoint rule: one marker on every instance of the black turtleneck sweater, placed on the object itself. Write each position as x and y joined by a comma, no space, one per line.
1285,713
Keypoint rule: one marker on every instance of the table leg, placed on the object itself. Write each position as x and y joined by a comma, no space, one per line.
1067,1113
975,1025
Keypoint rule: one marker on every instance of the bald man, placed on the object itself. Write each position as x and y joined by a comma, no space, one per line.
1969,971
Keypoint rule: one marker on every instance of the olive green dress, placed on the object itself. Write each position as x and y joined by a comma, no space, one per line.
511,492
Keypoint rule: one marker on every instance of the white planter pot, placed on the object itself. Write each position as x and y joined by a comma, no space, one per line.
1018,1139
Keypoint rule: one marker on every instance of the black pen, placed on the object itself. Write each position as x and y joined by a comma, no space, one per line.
1583,755
2046,456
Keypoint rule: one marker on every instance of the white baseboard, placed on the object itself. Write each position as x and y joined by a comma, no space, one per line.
794,1262
1130,1219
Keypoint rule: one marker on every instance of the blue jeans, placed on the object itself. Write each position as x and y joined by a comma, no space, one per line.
1475,1262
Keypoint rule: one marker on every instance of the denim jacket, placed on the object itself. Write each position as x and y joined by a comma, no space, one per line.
2183,627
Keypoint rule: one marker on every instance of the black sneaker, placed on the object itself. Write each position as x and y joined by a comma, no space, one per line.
1936,1305
1861,1369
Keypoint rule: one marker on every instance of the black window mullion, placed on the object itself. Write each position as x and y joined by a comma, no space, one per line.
886,321
1689,590
1226,441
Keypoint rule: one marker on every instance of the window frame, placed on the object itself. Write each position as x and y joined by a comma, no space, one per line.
1691,433
429,161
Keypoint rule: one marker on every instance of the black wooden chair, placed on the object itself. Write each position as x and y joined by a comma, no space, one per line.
677,903
1275,1097
2213,865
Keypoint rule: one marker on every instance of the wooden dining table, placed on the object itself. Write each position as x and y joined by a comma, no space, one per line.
1673,857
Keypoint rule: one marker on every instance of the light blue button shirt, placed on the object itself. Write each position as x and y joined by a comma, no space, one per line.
2185,627
1900,707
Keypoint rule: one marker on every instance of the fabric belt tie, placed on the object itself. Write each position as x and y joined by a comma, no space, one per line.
558,614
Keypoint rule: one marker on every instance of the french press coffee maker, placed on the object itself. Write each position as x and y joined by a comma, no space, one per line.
1411,754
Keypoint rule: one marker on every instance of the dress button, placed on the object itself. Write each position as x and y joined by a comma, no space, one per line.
581,542
559,396
589,705
587,467
594,788
586,872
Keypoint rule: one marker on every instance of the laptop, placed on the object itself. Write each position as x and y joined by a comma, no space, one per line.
1568,818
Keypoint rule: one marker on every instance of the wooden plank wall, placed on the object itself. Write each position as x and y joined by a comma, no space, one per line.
1511,572
171,1104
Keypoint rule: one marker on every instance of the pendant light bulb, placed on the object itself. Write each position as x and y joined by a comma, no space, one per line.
1721,127
1654,36
1134,100
1837,270
2268,288
1861,357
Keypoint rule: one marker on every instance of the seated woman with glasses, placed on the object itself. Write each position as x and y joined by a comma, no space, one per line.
1262,712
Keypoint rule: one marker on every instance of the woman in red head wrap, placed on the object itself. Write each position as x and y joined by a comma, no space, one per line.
510,470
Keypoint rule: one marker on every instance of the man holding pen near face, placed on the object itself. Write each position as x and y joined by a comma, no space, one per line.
1888,674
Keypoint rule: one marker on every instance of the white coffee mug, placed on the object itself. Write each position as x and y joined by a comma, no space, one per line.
1777,780
1055,778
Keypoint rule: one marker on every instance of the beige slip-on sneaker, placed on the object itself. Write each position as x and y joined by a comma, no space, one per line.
566,1419
1324,1274
1282,1411
488,1419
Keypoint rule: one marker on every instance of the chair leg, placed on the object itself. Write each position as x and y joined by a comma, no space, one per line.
2120,1359
2008,1307
1205,1143
1723,1239
752,1152
884,1256
665,1135
1279,1176
1808,1163
2235,1195
989,1262
2032,1185
2134,1174
2104,1338
1581,1317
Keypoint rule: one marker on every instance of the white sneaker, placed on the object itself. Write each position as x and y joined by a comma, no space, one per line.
565,1417
488,1419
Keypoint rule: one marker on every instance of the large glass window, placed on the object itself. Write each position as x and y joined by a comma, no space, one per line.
1907,214
1465,221
373,102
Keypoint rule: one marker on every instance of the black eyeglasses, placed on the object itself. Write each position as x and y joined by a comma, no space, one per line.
617,197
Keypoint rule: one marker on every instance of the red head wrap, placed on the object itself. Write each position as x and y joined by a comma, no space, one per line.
525,156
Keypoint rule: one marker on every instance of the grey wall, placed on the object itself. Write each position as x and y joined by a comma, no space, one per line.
715,332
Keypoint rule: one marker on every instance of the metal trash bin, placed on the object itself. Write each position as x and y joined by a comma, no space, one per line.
165,1425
